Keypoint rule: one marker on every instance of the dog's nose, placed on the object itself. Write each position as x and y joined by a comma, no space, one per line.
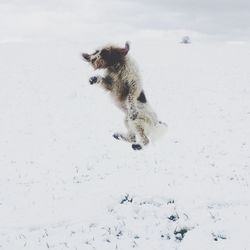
86,56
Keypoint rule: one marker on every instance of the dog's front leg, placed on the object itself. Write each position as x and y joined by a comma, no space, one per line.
106,82
95,79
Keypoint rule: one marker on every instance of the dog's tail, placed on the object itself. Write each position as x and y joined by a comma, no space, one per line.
160,129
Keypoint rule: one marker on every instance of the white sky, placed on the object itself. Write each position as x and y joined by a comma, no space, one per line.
230,18
61,18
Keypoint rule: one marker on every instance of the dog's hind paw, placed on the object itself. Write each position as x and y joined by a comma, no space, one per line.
117,136
136,146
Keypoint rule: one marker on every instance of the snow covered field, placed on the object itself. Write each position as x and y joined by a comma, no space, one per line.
65,183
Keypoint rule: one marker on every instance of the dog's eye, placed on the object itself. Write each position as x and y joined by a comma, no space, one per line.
95,52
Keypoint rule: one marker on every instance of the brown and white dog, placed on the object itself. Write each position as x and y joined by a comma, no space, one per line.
121,78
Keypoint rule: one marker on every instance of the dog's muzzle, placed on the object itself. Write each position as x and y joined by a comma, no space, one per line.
86,56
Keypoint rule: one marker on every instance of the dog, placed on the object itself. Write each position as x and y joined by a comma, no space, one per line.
122,80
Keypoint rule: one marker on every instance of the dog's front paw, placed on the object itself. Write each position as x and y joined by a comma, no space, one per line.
136,146
93,79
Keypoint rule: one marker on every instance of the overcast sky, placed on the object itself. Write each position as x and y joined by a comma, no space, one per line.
38,18
221,17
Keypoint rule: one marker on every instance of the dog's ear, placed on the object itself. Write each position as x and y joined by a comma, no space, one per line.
124,51
127,46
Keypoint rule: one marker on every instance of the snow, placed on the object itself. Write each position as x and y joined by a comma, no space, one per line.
67,184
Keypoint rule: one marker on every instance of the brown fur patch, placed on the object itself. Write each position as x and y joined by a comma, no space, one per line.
124,91
112,56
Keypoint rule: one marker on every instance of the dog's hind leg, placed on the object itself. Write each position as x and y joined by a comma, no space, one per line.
125,137
142,137
129,137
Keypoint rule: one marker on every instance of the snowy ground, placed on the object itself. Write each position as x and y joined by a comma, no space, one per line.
65,183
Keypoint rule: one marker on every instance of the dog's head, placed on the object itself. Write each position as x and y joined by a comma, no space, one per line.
107,56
